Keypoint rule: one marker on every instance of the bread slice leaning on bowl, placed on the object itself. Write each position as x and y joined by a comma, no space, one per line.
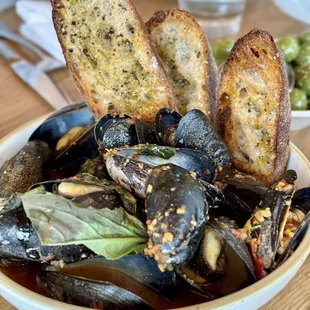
187,58
111,57
254,112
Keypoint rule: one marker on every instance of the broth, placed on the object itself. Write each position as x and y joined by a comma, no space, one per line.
236,277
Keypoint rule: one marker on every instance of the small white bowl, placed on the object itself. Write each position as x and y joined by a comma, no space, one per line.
300,120
252,297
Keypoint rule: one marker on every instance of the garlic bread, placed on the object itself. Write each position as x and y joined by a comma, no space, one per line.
108,51
187,57
253,112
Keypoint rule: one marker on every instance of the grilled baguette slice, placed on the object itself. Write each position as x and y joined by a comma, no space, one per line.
186,55
108,50
254,113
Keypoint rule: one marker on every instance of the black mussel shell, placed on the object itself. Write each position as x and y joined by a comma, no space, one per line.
115,131
20,243
301,199
138,266
129,173
176,211
145,132
166,123
88,293
196,132
30,165
246,187
60,122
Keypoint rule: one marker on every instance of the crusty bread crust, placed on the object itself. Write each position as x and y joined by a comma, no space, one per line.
187,57
254,112
111,57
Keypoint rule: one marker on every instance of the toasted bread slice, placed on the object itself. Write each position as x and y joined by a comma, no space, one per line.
108,50
254,113
187,58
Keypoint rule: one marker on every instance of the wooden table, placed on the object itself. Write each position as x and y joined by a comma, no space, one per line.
19,104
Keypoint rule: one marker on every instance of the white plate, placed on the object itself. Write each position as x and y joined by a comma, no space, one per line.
252,297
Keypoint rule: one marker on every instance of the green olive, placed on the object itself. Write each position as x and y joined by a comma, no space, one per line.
305,37
289,47
303,57
302,75
221,49
298,99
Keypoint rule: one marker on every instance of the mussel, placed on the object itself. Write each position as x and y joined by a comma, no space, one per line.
88,293
130,166
61,122
30,165
113,131
176,211
192,131
19,243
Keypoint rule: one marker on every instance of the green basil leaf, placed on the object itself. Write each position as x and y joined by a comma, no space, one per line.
59,221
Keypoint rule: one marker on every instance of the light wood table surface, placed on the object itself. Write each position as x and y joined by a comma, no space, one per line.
19,104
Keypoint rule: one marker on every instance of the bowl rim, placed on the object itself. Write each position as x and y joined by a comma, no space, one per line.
24,294
300,113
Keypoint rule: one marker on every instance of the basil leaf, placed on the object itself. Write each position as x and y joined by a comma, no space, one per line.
9,204
59,221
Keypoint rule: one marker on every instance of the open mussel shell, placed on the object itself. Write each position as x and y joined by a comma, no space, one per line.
266,227
166,123
19,242
225,227
209,260
88,293
30,165
90,191
196,132
246,187
176,211
69,161
138,266
294,242
60,122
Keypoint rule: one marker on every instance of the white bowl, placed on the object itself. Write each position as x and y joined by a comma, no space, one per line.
252,297
300,120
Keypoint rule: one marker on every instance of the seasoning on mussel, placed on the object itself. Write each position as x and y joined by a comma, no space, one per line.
130,166
28,166
176,211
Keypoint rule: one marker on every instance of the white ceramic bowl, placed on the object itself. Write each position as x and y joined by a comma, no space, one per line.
300,120
252,297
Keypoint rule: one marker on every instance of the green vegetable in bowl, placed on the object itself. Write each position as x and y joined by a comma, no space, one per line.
298,99
302,74
289,47
303,57
305,37
221,49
